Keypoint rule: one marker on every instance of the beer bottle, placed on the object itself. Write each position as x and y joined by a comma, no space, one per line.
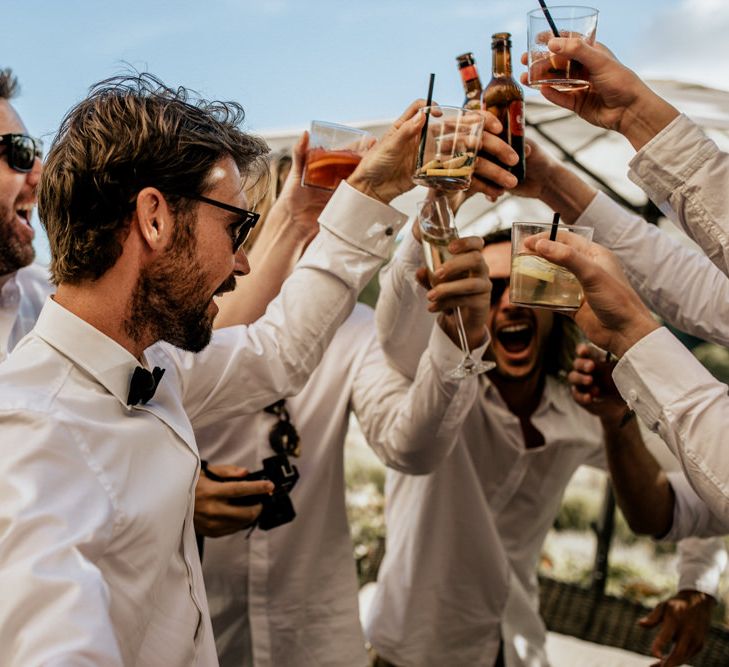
504,98
471,80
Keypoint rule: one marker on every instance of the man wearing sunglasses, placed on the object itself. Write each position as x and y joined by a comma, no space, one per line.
143,197
23,286
499,490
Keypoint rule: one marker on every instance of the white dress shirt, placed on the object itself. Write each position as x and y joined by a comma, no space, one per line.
686,175
98,560
663,382
289,596
464,541
21,299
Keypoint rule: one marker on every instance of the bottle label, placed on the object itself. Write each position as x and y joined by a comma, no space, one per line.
469,73
516,118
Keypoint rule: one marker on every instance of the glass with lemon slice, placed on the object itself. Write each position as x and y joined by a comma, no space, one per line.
536,282
333,154
448,154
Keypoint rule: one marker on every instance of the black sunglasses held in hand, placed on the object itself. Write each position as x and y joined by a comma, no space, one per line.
22,151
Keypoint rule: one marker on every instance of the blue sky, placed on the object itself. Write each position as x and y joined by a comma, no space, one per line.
289,61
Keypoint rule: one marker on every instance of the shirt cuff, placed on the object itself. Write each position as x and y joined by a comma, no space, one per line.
655,372
670,158
446,355
600,214
410,252
363,222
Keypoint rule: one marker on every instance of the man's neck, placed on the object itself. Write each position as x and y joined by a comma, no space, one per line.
522,396
104,304
5,278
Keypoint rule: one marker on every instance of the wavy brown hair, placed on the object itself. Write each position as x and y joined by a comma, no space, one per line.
565,334
131,132
9,86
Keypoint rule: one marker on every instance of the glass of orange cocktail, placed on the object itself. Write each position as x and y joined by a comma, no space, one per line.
334,153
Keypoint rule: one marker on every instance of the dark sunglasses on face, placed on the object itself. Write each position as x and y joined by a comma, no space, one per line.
22,151
498,287
241,228
284,438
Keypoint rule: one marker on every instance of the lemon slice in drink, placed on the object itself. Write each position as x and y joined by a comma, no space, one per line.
534,267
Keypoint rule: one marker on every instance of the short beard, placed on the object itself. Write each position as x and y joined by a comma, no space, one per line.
170,303
14,254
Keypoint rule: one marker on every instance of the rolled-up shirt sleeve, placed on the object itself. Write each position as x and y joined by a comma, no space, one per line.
691,515
56,522
686,175
678,283
401,316
676,397
413,424
246,368
701,564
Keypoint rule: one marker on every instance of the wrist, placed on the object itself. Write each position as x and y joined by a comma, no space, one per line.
366,187
629,336
645,118
565,192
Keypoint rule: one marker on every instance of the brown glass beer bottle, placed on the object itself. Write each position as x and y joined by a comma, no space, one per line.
470,79
504,98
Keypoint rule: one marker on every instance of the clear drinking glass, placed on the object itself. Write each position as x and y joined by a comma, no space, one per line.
333,154
447,152
535,281
550,69
437,230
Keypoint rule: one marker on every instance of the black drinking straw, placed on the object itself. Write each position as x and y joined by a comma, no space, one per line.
424,133
555,224
549,18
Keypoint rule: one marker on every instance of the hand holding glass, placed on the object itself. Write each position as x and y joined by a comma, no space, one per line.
535,281
551,69
437,230
447,154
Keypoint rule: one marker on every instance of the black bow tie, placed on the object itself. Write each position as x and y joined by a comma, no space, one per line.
144,384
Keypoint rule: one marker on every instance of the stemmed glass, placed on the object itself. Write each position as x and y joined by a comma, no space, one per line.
445,164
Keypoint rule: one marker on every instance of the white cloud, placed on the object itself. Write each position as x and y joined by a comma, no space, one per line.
688,42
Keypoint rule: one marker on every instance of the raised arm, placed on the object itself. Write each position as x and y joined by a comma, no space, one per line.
287,228
678,167
648,502
413,424
246,368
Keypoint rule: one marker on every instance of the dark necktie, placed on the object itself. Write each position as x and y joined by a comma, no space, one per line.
144,384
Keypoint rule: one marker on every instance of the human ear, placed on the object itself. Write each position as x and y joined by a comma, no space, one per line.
154,218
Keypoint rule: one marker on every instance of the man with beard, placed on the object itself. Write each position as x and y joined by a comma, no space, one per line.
23,286
439,598
143,198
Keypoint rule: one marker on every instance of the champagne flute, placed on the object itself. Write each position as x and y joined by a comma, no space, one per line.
437,230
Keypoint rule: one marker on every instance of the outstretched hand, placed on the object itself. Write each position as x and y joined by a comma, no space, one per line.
301,205
387,169
684,622
617,98
592,384
612,314
461,281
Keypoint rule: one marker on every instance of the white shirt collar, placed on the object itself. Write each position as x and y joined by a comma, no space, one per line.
97,354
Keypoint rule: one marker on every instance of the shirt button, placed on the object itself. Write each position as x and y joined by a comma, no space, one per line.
633,395
389,231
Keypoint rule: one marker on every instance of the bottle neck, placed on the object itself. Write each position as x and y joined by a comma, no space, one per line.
501,59
470,78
